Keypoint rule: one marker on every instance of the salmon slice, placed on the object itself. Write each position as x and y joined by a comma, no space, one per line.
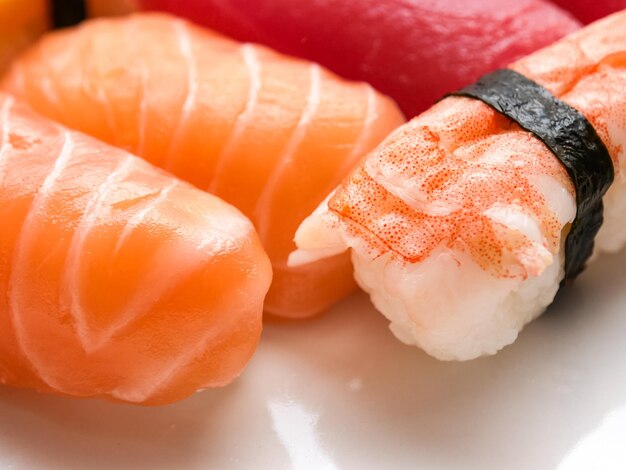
270,134
118,281
21,22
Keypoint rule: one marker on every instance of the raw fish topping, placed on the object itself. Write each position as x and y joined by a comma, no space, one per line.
268,133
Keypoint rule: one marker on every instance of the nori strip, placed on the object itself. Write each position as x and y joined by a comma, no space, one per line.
572,139
68,12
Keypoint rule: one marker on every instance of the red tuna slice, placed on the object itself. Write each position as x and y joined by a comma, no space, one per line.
413,50
591,10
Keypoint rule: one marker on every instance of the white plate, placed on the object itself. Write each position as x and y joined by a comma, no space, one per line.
341,393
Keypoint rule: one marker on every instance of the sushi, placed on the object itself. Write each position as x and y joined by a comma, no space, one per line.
118,280
269,134
21,22
413,50
463,223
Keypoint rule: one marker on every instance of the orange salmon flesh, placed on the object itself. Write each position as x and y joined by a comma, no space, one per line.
270,134
119,281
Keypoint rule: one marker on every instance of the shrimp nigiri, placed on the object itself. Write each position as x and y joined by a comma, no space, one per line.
267,133
118,280
458,221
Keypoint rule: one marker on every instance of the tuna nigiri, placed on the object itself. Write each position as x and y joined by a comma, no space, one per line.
21,22
412,50
270,134
591,10
118,281
459,222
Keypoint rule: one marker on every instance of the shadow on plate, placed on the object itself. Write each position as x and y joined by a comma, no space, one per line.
526,407
42,431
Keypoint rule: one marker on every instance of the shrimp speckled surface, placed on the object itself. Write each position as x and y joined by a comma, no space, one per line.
457,221
118,281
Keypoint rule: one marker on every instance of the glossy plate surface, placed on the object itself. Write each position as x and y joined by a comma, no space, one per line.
340,393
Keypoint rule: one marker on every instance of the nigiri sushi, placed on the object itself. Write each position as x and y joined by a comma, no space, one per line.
270,134
118,280
460,221
591,10
412,50
21,22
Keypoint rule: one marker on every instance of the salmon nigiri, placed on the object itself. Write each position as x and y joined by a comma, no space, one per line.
118,281
21,22
270,134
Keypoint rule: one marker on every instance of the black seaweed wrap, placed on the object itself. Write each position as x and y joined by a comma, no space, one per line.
68,12
572,139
